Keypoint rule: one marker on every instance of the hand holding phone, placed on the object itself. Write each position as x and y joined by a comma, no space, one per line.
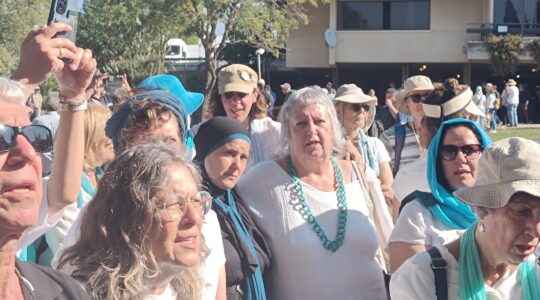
65,11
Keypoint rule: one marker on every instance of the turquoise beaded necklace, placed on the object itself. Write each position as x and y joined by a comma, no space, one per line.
307,214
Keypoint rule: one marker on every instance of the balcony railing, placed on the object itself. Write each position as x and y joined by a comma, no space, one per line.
483,30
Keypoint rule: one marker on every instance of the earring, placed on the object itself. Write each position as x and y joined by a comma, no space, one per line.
482,227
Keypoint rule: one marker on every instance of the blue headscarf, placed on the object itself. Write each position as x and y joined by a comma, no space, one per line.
449,210
120,118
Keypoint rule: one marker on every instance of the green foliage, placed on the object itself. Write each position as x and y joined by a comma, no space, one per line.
534,50
504,52
17,17
129,36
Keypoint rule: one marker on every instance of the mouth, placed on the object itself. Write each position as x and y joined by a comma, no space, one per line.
18,187
312,143
525,249
190,242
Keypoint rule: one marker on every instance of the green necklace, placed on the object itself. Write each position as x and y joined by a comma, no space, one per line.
307,214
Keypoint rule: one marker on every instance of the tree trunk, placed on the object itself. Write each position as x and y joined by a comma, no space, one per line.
210,63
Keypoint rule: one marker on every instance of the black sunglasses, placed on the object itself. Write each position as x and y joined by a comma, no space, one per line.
240,95
357,106
417,98
40,137
471,151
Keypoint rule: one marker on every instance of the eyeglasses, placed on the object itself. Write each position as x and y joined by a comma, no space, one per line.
417,98
229,95
357,106
40,137
449,152
175,207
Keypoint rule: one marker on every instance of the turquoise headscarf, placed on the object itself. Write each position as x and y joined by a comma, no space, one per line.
449,210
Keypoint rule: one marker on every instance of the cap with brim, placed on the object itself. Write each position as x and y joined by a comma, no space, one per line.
417,83
191,101
506,167
237,78
459,102
350,93
512,82
286,85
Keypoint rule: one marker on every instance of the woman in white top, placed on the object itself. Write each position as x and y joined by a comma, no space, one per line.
435,218
238,97
494,257
480,100
356,112
314,212
492,108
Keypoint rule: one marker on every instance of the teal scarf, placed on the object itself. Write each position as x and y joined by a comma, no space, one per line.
367,149
449,210
471,278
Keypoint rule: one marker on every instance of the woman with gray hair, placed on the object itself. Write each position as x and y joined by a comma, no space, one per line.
141,234
494,257
315,210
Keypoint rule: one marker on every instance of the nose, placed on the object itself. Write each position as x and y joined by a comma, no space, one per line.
460,157
192,216
22,152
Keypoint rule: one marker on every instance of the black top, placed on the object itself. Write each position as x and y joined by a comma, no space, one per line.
237,266
43,283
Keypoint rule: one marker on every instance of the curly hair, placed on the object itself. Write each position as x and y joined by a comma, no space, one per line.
113,256
148,115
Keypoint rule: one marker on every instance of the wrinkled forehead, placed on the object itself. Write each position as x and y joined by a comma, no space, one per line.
13,114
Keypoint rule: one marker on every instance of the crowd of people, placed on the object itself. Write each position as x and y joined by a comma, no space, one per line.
123,198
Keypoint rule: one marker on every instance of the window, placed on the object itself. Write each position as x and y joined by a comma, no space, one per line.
516,11
383,15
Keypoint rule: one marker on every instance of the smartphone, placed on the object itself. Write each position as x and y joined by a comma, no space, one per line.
65,11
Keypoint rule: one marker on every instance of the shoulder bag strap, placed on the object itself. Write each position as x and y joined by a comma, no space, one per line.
439,266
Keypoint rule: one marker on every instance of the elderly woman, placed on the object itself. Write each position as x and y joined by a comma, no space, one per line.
239,98
314,210
143,228
429,219
223,147
356,111
160,116
494,257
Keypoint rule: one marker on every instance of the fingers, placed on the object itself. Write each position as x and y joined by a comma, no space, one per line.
54,28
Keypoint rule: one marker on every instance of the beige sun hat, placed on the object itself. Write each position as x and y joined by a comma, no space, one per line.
350,93
511,82
461,101
237,78
412,84
506,167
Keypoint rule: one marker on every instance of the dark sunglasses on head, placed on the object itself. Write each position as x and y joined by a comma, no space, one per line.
416,98
471,151
357,106
229,95
40,137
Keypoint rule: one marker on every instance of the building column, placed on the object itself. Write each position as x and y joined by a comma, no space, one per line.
335,77
332,26
404,72
467,73
490,11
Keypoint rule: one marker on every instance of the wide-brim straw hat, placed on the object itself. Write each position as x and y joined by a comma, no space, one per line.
417,83
461,101
506,167
350,93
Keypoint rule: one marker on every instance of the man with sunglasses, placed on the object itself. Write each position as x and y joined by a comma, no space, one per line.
28,206
409,105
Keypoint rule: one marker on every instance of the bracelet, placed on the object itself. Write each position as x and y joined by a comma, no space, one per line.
70,105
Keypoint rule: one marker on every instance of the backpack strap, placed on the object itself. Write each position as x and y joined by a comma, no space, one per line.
439,266
426,199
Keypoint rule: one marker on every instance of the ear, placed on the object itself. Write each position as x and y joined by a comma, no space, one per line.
481,212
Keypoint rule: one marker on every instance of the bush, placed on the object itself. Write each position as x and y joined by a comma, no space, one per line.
504,52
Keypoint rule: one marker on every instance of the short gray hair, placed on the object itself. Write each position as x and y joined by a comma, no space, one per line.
303,97
53,101
11,91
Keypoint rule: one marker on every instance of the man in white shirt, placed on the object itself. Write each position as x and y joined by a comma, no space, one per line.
512,101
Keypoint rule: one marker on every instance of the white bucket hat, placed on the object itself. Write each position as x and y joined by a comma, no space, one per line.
351,93
412,84
506,167
461,101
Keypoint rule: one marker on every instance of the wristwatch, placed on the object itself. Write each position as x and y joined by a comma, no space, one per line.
71,105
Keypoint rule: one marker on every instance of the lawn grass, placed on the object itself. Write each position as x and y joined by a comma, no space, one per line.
528,133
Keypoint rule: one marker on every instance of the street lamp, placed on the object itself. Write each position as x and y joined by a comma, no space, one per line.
259,52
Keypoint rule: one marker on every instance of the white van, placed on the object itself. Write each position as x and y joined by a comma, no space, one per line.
176,49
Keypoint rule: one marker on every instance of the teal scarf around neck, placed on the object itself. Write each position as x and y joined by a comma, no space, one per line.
449,210
471,277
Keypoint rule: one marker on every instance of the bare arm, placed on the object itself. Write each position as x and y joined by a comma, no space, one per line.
392,108
42,50
221,293
400,252
387,179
